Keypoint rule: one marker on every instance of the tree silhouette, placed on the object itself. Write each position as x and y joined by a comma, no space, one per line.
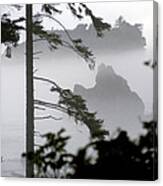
10,35
10,30
119,158
122,158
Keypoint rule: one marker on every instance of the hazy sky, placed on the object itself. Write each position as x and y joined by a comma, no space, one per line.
132,11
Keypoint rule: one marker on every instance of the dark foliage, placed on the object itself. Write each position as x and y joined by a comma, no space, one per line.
118,158
51,9
80,10
121,158
52,38
75,107
52,159
10,29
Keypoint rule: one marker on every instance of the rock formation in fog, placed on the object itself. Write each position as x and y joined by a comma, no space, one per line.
122,37
114,101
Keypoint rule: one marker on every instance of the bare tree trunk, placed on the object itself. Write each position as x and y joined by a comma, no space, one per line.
29,92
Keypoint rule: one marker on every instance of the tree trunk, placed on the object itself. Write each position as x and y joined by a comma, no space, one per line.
29,92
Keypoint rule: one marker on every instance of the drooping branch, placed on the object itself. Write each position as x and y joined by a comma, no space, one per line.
37,52
74,106
55,86
80,10
46,117
55,40
48,81
39,108
51,8
50,105
57,21
82,51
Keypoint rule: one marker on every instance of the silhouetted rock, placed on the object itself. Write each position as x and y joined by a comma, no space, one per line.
122,37
114,101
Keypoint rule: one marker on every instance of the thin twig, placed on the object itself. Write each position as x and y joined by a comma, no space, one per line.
47,80
39,108
47,117
37,52
57,21
50,105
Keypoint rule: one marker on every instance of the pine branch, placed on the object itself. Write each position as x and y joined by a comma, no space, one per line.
55,40
75,107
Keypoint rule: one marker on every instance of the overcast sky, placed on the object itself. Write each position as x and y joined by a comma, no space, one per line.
133,12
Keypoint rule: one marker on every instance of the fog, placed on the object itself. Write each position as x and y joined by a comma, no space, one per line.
66,72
